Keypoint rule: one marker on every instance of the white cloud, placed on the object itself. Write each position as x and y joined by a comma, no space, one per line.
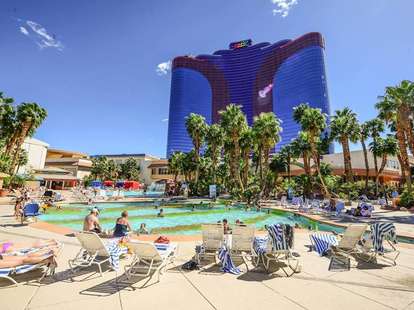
283,7
164,67
164,120
24,31
40,35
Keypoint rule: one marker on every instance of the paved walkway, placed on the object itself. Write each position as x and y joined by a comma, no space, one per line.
365,286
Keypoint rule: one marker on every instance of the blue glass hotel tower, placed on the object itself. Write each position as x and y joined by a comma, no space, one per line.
262,77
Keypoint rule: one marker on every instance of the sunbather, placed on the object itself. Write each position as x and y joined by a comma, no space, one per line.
10,246
10,261
91,222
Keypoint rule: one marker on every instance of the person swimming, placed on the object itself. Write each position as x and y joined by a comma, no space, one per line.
143,229
161,213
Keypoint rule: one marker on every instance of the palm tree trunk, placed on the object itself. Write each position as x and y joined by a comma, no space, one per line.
23,134
347,159
404,155
401,167
381,169
364,149
288,167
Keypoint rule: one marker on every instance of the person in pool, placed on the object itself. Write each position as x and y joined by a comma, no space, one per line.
91,222
143,229
161,213
122,227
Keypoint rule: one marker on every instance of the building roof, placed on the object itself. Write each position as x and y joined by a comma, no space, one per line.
56,177
52,170
36,142
67,153
124,155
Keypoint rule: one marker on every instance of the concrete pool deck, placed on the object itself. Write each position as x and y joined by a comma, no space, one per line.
365,286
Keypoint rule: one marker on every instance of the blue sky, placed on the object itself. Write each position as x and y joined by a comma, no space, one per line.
93,64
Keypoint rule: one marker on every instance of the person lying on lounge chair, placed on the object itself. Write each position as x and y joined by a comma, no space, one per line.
10,246
10,261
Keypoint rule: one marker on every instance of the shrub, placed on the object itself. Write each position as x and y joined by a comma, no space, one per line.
407,199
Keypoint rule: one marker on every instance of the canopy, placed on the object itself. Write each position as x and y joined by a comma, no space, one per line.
96,183
132,185
119,184
108,183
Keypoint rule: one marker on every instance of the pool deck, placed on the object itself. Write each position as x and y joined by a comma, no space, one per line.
365,286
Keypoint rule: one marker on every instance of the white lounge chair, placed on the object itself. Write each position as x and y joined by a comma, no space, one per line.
93,252
213,238
149,257
48,264
242,242
347,245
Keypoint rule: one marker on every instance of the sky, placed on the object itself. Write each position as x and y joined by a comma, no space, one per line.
102,68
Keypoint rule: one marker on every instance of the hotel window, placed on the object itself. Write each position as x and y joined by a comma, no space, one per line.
153,171
163,171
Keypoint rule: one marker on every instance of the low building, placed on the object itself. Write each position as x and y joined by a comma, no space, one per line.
36,155
152,168
78,164
390,175
56,178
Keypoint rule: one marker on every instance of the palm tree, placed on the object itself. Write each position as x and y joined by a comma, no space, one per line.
396,109
363,136
29,117
344,128
266,129
246,147
197,129
215,140
287,154
313,122
376,126
383,148
175,164
234,122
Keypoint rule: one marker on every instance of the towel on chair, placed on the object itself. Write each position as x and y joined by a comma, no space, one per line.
226,261
115,251
323,242
381,231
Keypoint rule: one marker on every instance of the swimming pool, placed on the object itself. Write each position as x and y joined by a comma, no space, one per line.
137,193
178,219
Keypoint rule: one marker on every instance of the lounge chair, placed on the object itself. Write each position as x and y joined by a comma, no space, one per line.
213,239
48,264
373,246
149,257
242,243
277,248
95,252
31,210
347,245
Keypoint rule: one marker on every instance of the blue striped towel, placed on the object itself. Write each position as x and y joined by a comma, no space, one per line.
115,251
260,244
323,242
276,234
226,261
381,231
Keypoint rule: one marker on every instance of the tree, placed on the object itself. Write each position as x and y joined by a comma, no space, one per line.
344,128
233,122
313,122
29,116
197,129
396,109
286,155
266,129
246,147
129,169
383,148
215,140
176,163
376,127
363,136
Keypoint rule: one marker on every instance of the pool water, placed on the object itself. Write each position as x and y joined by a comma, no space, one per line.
137,193
178,219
